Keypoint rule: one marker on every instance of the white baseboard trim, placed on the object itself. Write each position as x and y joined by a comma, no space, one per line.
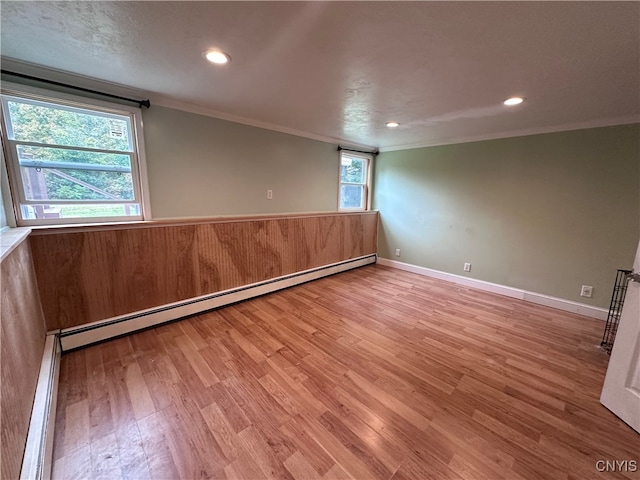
38,453
94,332
533,297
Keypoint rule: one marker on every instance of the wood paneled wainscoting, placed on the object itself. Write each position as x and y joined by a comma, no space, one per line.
22,339
92,273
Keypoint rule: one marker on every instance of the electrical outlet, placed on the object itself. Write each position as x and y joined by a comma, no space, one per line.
397,252
586,291
467,267
269,194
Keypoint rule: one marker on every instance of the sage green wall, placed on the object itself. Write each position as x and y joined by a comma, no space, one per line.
202,166
544,213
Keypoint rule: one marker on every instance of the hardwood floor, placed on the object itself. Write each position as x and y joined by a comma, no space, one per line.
370,374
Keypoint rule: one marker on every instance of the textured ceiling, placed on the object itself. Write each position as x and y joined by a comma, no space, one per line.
340,70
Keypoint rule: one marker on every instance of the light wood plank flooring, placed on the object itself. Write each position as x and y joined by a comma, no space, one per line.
371,374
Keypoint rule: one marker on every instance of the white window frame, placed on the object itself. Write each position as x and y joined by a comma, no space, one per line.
138,157
367,185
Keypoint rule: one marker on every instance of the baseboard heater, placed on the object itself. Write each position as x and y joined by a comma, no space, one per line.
38,452
82,335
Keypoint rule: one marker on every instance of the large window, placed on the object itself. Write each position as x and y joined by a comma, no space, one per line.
354,181
71,162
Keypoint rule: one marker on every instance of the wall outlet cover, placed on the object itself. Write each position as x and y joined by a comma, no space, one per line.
397,252
467,267
586,291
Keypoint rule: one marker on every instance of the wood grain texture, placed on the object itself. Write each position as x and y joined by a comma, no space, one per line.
89,274
22,338
370,374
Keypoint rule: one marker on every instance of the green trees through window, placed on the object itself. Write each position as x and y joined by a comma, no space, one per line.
72,162
353,181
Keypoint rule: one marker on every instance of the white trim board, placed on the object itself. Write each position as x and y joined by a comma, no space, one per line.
10,238
602,122
539,298
38,452
168,102
82,335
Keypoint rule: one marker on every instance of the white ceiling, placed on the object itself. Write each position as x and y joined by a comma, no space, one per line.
340,70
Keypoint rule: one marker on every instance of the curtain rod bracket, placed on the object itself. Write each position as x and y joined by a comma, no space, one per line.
374,152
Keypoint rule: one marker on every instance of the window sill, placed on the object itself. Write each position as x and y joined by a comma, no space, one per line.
10,238
166,222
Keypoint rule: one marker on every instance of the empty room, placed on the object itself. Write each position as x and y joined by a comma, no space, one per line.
322,240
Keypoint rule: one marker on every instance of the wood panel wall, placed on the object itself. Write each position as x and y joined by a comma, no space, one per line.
96,273
22,337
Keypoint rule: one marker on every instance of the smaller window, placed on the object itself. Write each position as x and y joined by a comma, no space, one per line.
354,181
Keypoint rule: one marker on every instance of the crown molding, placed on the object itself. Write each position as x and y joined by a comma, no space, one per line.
168,102
605,122
161,100
18,66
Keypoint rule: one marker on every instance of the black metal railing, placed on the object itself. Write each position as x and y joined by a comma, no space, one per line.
615,308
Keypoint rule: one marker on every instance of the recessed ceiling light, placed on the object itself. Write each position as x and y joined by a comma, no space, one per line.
513,101
392,124
216,56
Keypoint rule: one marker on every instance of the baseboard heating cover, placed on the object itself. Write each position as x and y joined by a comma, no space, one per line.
75,337
38,452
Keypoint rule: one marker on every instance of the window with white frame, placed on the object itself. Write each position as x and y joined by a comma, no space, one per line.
73,160
354,181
